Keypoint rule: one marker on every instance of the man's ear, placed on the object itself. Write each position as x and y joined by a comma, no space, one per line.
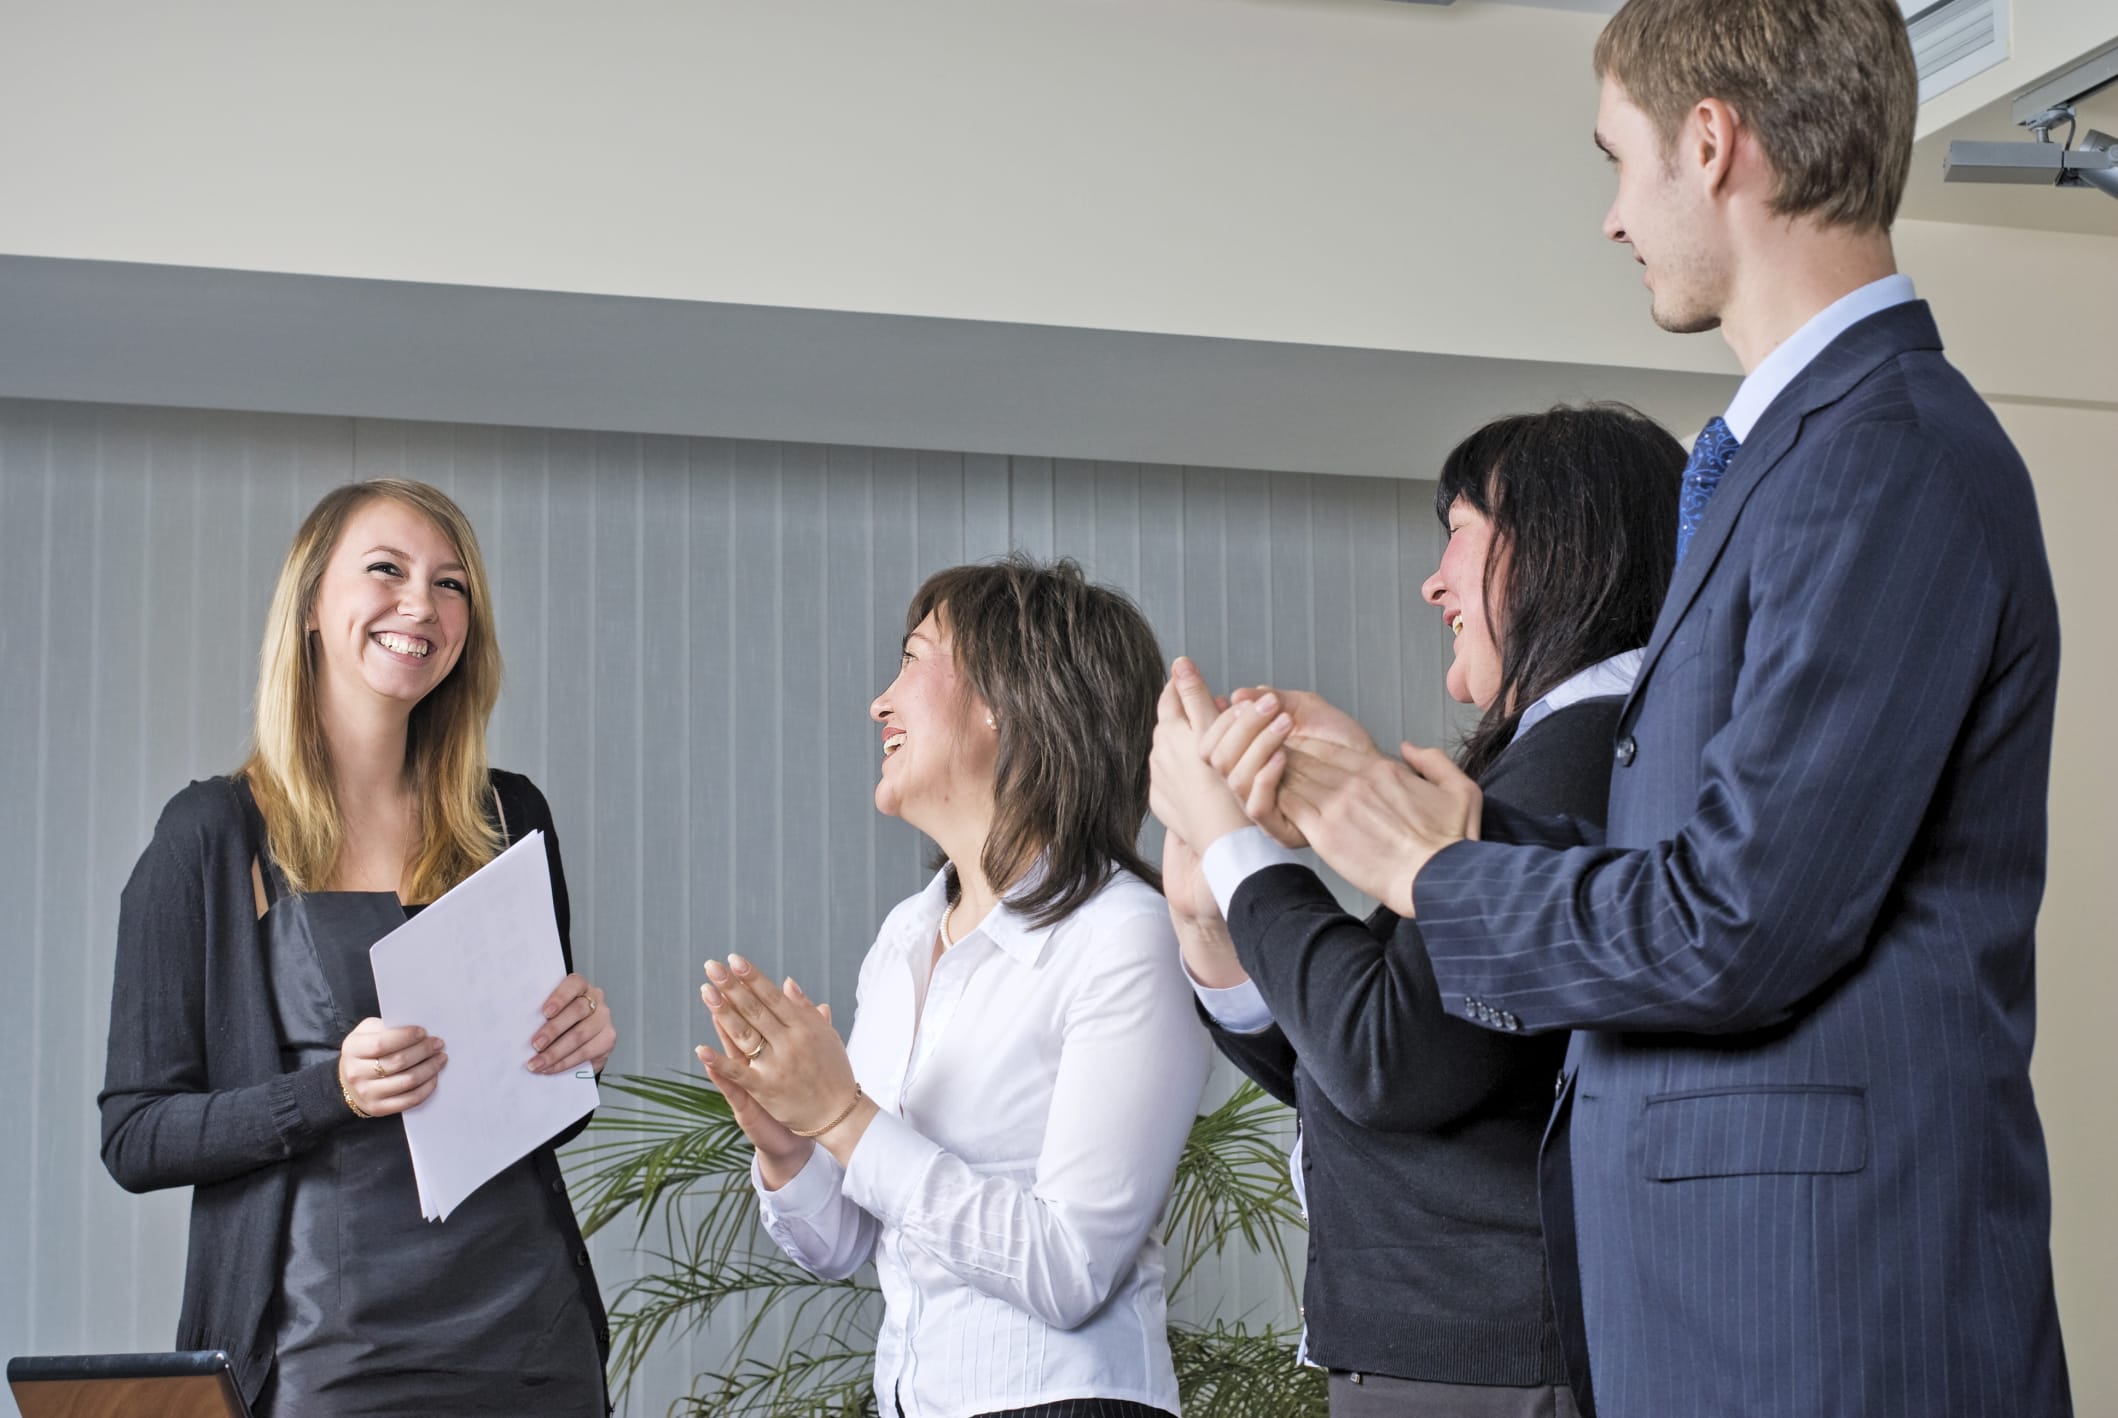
1712,134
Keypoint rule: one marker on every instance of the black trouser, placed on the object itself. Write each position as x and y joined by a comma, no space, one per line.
1377,1396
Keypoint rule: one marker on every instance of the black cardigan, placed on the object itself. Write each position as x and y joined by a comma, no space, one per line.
192,1092
1426,1256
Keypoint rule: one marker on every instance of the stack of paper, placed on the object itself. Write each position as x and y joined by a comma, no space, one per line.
475,969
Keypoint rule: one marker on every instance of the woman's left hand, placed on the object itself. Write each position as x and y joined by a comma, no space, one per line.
577,1029
1184,792
786,1054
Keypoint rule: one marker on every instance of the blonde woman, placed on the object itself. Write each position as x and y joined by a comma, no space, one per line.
246,1060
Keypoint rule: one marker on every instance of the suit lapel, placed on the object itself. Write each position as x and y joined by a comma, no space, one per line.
1842,365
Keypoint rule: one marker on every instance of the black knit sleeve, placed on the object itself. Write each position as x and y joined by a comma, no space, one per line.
163,1126
1265,1057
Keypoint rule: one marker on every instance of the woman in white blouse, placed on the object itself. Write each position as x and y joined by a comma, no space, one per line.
1000,1132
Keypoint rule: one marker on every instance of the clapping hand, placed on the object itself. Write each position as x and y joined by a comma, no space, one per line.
782,1055
1377,821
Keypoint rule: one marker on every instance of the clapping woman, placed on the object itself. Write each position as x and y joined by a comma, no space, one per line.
246,1060
1427,1290
1001,1130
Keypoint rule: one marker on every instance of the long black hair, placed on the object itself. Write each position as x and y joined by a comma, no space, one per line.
1583,504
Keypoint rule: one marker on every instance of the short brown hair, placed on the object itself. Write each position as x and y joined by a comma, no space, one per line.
1071,672
1829,87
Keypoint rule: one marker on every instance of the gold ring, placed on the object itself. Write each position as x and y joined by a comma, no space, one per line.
751,1054
591,1001
380,1071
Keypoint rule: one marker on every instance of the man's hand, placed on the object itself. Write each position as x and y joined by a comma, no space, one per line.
1377,821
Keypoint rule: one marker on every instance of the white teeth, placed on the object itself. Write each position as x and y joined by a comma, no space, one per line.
1456,625
403,644
893,743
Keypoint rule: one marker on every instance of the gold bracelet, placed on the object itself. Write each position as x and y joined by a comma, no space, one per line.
346,1093
847,1113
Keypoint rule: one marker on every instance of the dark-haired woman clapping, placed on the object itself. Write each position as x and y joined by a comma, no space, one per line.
1427,1291
1001,1130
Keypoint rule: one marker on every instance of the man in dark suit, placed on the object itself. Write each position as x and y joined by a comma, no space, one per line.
1807,1173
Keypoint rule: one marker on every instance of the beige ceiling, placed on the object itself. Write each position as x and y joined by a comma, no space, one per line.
2076,209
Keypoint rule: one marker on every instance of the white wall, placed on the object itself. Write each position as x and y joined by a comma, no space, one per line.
1348,173
2071,458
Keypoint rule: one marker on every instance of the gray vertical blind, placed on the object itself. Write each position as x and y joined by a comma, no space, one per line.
693,631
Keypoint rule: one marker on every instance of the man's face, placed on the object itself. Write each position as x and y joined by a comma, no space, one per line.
1661,213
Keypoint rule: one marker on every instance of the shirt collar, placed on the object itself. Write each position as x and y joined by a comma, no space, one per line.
1778,369
1605,677
1008,929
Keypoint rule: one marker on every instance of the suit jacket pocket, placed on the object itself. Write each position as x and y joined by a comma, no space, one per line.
1753,1131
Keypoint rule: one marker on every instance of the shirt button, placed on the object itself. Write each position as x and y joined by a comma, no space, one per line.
1624,751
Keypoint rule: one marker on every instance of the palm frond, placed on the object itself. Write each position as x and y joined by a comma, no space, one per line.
1227,1371
685,1140
679,1159
833,1379
1232,1181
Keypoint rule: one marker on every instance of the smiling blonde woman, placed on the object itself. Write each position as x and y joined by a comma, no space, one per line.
246,1060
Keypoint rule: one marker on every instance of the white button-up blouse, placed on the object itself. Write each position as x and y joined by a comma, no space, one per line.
1033,1108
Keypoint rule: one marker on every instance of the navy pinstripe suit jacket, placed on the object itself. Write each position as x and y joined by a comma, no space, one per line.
1807,1170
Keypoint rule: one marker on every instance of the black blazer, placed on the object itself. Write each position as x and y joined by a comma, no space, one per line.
1426,1259
192,1092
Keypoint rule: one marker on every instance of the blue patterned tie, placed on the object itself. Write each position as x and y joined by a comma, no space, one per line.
1702,475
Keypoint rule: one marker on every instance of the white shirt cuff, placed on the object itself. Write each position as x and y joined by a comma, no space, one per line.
807,1193
1240,1009
887,1170
1234,857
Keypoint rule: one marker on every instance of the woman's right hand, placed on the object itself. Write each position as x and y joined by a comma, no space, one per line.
388,1071
780,1154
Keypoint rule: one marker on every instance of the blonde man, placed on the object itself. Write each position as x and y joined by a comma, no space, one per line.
1807,1172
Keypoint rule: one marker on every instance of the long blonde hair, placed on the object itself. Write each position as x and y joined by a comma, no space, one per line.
289,768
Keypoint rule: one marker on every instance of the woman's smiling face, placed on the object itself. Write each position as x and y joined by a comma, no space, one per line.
1458,587
938,743
392,608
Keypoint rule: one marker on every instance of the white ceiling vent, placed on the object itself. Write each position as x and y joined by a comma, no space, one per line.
1954,39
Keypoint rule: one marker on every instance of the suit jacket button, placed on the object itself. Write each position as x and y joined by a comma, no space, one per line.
1624,751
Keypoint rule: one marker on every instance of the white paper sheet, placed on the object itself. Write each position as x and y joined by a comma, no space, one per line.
475,968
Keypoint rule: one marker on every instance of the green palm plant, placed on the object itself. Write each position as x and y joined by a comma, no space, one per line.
676,1164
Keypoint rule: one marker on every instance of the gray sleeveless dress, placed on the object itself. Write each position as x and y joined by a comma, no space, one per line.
380,1312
